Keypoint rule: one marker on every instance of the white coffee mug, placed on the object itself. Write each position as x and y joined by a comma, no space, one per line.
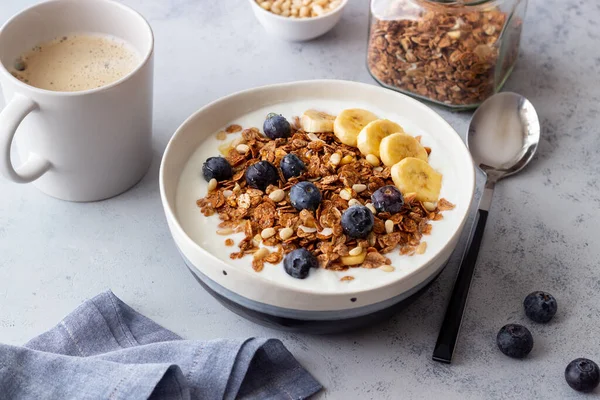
78,146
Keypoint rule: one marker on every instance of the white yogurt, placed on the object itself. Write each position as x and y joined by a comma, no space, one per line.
202,230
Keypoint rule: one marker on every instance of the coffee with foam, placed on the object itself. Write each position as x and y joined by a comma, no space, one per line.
76,62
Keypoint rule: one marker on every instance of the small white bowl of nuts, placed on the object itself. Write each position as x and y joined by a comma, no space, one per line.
298,20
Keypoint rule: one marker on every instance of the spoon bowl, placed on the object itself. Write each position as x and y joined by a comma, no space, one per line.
503,135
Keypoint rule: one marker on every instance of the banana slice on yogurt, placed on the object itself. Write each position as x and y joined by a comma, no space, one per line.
413,175
369,138
349,123
394,148
314,121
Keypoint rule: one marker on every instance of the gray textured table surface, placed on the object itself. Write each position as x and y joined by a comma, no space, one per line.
541,233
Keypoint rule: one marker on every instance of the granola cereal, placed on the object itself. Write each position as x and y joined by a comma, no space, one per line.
268,218
448,53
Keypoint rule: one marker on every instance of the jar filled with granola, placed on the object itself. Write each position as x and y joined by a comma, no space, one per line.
452,52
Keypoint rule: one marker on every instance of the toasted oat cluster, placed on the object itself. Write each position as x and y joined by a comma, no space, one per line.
310,184
442,53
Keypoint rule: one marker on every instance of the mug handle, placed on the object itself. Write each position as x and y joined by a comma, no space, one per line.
10,118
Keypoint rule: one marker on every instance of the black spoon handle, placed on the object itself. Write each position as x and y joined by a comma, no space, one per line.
444,348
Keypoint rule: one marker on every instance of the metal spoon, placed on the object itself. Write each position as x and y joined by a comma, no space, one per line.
503,136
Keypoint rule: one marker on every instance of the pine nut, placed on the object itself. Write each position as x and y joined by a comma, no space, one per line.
347,160
335,158
212,184
355,251
277,195
346,194
304,12
353,202
225,231
267,233
286,233
371,207
227,193
237,188
429,206
242,148
237,141
377,169
261,253
359,187
389,226
387,268
373,160
421,248
266,5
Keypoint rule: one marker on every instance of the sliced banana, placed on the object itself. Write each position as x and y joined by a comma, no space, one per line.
394,148
369,138
317,121
349,123
413,175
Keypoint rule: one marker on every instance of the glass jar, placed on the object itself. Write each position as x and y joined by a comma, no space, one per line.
454,53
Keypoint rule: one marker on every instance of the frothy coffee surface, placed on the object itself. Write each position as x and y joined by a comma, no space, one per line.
76,62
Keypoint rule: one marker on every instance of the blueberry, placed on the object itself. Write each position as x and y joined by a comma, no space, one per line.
292,166
276,126
515,340
357,221
540,306
582,375
298,263
261,175
217,168
388,199
305,196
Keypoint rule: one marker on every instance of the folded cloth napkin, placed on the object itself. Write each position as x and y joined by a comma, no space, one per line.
107,350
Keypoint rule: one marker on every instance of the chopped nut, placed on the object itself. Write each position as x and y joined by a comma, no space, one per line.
371,207
389,226
353,202
335,159
373,160
267,233
346,194
355,251
242,148
229,242
286,233
353,260
429,206
277,195
347,278
359,187
212,185
347,160
261,253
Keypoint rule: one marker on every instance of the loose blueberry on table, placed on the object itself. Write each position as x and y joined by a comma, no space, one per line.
540,306
292,166
305,196
217,168
276,126
582,375
515,340
387,199
298,263
357,222
261,175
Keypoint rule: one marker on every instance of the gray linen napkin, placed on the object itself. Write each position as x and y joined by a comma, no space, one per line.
106,350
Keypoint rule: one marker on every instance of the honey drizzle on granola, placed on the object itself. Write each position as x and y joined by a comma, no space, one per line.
251,211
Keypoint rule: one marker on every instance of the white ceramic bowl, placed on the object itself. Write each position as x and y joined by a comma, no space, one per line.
272,296
297,29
